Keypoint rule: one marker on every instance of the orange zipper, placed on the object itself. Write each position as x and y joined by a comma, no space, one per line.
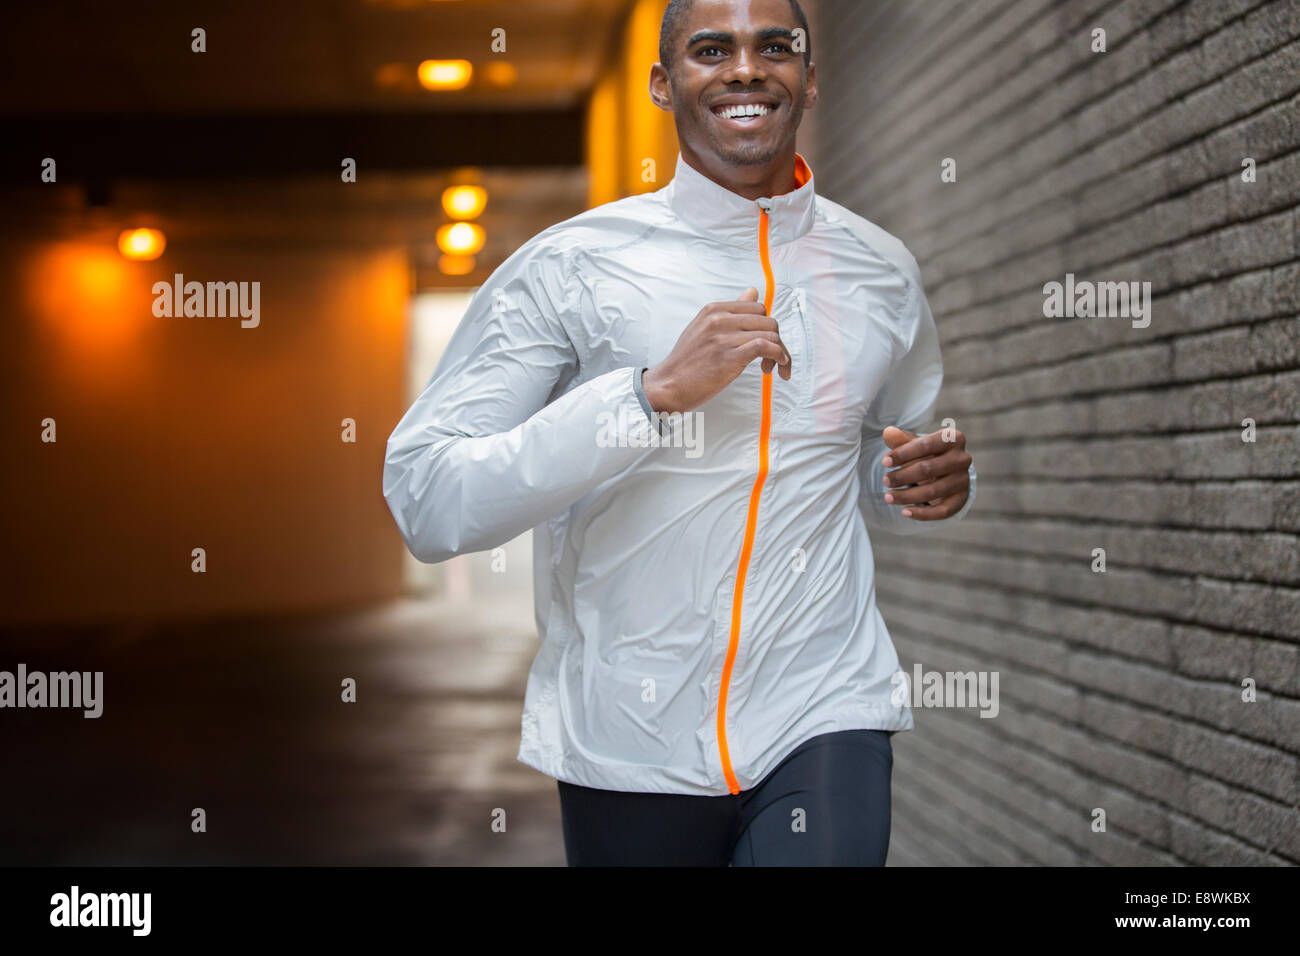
751,522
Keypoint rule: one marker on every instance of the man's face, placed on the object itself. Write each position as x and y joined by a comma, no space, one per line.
729,54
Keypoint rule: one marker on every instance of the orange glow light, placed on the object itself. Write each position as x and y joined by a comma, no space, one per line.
95,302
501,73
461,238
394,76
445,74
141,244
455,265
464,202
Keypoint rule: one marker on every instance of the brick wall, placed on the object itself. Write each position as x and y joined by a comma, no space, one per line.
1119,690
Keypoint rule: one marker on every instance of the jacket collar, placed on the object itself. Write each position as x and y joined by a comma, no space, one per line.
718,213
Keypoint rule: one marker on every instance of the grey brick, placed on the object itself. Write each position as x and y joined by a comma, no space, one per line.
1120,690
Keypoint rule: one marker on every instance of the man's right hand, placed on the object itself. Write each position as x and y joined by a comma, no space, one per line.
712,351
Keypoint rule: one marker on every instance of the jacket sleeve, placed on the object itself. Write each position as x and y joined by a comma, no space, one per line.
484,454
907,400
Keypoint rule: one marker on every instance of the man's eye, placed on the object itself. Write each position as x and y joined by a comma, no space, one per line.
779,45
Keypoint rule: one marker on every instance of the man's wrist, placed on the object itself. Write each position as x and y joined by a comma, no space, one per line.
656,392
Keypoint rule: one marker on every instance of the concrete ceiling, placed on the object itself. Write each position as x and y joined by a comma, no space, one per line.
241,144
293,55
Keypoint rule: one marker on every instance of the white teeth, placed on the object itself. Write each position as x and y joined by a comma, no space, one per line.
747,109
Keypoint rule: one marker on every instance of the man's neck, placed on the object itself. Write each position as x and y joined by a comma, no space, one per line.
753,182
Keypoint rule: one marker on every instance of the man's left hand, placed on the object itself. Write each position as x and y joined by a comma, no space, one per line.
936,470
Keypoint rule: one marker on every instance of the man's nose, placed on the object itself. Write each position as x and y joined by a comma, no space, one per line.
746,66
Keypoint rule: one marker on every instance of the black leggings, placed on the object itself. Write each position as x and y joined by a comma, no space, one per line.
827,803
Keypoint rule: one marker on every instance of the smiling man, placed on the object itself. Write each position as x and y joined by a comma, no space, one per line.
715,684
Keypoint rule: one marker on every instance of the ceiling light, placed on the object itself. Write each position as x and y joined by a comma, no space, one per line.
461,238
142,244
445,74
464,202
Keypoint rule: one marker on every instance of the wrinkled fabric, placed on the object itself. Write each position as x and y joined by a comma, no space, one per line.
531,420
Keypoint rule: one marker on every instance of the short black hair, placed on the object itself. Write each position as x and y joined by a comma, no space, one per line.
671,27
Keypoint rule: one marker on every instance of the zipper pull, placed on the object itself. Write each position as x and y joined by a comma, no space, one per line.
764,204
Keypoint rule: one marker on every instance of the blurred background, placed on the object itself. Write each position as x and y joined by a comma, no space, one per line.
370,162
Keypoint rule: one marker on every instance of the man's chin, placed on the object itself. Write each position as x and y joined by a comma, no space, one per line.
747,155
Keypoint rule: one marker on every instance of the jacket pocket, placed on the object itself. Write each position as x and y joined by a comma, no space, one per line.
792,400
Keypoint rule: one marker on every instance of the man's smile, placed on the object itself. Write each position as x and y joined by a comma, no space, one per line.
744,114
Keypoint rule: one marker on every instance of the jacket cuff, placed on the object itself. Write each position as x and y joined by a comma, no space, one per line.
646,407
970,496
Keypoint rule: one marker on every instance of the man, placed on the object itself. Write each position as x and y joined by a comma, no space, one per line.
715,683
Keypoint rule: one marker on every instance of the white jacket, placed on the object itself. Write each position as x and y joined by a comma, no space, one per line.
705,599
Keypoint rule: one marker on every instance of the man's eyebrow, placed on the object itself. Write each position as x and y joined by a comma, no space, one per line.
719,36
716,36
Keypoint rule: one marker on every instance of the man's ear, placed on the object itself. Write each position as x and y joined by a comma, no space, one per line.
810,87
661,88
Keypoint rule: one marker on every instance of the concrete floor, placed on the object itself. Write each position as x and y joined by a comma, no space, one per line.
244,719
